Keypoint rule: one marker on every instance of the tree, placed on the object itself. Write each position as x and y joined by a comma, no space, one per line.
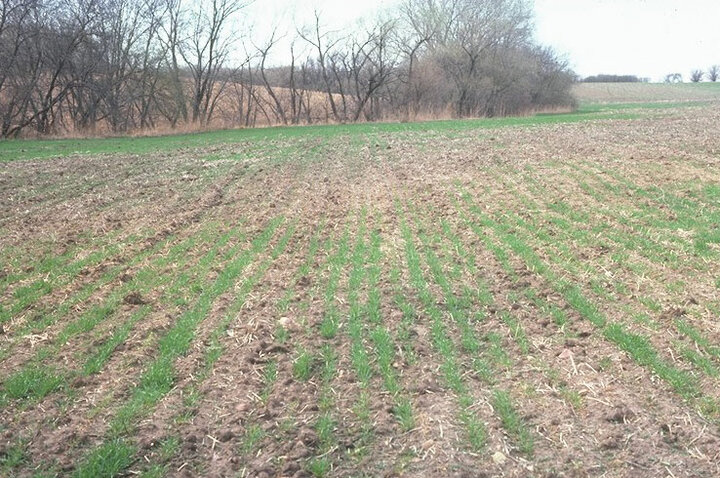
323,44
277,104
713,73
602,78
120,65
205,53
696,76
480,53
39,42
372,64
673,78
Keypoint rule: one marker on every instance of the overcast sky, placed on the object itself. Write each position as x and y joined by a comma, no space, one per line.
648,38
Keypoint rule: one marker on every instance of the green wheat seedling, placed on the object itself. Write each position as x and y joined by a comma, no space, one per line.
108,459
500,254
251,438
87,291
372,307
518,333
409,316
442,343
61,268
160,463
97,361
184,281
145,280
159,376
331,320
642,351
512,422
503,406
698,359
270,375
575,297
282,334
322,463
303,271
61,276
359,357
459,305
638,347
549,309
384,347
696,336
569,222
690,215
215,349
483,297
303,365
14,456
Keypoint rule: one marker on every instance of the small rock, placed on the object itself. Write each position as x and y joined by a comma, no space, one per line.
620,414
498,458
299,451
226,435
134,298
290,468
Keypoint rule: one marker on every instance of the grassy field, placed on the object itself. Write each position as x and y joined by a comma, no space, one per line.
533,296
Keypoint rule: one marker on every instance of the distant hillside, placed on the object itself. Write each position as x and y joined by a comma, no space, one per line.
645,92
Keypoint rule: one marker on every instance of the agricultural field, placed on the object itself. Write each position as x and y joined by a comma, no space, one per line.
645,92
532,296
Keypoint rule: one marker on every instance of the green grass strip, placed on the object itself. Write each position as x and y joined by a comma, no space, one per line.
269,138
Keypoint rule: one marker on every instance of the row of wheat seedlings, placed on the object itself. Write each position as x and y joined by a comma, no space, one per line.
116,451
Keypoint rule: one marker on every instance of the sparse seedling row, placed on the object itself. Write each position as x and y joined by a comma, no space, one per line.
35,380
114,454
635,345
443,344
215,349
382,340
458,307
693,358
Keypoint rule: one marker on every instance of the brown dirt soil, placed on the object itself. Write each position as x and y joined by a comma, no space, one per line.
588,407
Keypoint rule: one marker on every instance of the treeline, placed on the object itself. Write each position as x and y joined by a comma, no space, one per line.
615,79
122,65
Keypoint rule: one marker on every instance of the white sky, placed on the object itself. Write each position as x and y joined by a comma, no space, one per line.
648,38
